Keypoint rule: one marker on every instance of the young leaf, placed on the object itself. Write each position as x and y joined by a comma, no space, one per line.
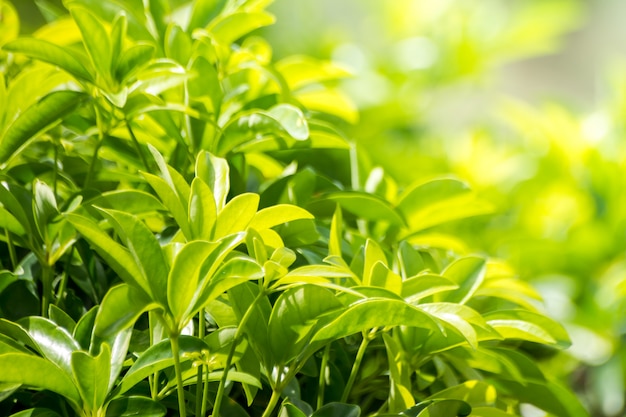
45,51
236,215
184,277
279,214
233,26
202,210
215,173
95,38
92,376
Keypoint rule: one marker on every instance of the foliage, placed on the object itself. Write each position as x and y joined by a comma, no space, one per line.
186,230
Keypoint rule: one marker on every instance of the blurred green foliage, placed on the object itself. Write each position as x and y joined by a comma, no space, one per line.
426,82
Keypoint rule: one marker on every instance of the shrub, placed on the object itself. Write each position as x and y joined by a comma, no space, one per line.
186,230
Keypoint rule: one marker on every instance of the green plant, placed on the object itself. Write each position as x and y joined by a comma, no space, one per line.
198,236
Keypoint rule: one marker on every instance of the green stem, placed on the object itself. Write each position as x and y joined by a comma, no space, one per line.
322,382
46,279
272,404
205,394
231,353
92,164
355,367
12,253
144,161
199,390
154,378
179,376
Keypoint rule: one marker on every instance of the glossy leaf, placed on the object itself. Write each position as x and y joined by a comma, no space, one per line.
55,343
468,273
366,315
156,358
528,325
237,214
133,406
232,27
36,412
36,119
214,172
337,410
92,376
45,51
367,206
37,372
120,308
202,210
295,315
184,277
279,214
203,12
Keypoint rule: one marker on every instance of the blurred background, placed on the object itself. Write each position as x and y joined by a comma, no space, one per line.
523,99
526,101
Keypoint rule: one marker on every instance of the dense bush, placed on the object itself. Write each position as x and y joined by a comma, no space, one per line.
186,230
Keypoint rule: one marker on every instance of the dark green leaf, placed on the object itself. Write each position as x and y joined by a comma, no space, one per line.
135,407
36,119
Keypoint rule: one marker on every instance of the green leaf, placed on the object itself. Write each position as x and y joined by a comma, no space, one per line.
36,412
95,38
55,343
135,407
61,318
36,119
159,357
289,410
365,314
468,273
9,23
202,210
233,26
45,51
365,206
232,273
45,207
203,12
439,201
291,119
244,297
337,410
171,200
115,255
236,215
131,60
215,173
421,286
145,249
300,71
528,325
40,373
184,278
273,216
440,408
549,397
294,317
120,308
92,376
